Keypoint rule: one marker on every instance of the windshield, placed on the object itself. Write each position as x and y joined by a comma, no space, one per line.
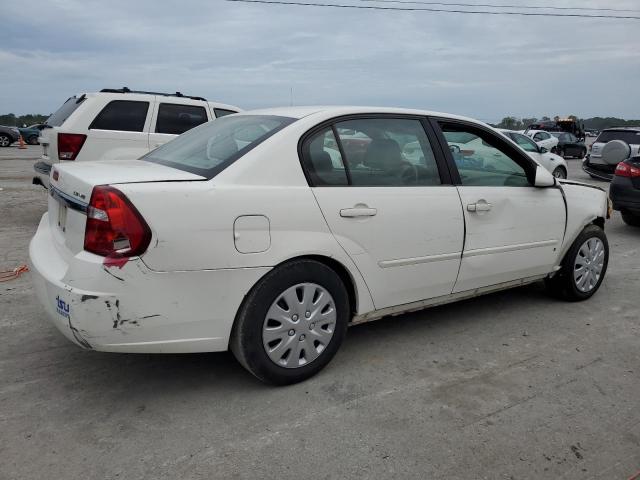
208,149
65,111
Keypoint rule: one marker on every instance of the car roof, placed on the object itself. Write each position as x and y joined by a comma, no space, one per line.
613,129
166,98
331,111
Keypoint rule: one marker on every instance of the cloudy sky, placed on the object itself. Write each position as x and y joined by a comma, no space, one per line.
253,55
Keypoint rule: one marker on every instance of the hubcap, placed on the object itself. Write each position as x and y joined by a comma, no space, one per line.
588,265
299,325
4,141
558,173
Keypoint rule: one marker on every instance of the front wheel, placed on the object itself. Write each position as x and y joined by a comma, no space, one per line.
560,172
292,322
583,268
560,152
32,140
631,219
5,141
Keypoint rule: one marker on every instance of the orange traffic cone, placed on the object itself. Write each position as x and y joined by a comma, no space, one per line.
22,145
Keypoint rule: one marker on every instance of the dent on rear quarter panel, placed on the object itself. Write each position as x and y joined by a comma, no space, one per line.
584,205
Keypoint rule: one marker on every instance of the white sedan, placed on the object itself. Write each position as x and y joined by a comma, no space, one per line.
273,245
552,162
543,139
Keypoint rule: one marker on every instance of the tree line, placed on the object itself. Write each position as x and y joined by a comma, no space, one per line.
597,123
11,120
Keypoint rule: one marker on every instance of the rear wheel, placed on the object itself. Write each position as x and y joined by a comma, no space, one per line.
5,141
560,152
631,219
292,323
32,140
583,268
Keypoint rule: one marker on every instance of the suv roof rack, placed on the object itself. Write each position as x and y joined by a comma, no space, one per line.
128,90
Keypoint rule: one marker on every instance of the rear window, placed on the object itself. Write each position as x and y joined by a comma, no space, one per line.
630,136
208,149
65,111
176,119
122,115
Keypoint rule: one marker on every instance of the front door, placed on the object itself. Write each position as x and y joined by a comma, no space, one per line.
388,205
513,229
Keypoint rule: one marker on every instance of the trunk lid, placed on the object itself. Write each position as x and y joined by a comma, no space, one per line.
70,190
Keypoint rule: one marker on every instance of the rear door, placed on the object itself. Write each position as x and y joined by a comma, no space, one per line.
513,230
172,118
388,200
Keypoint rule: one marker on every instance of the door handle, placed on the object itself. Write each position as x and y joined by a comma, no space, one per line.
479,206
358,211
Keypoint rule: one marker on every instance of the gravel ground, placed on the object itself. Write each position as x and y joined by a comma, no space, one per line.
514,385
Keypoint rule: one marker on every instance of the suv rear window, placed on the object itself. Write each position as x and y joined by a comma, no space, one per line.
122,115
210,148
65,111
176,119
632,137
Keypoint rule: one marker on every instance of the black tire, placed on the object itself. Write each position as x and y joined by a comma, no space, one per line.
32,140
560,152
246,337
631,219
5,140
560,172
562,284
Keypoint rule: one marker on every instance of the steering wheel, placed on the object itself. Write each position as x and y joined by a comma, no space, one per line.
409,174
454,148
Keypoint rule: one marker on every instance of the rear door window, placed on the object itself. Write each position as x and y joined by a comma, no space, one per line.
176,119
387,152
122,115
65,111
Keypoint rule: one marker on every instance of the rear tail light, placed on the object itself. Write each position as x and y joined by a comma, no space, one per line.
625,170
69,145
115,228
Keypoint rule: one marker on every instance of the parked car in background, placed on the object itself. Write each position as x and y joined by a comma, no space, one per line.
117,124
552,162
272,248
543,139
625,190
569,145
8,135
29,135
601,167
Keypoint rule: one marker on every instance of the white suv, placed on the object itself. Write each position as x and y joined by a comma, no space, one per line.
118,124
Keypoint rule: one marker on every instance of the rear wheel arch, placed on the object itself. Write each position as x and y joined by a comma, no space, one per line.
335,265
598,221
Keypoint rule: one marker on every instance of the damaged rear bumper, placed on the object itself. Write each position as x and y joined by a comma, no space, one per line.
132,308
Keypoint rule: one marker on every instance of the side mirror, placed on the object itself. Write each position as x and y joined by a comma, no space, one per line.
544,178
543,150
